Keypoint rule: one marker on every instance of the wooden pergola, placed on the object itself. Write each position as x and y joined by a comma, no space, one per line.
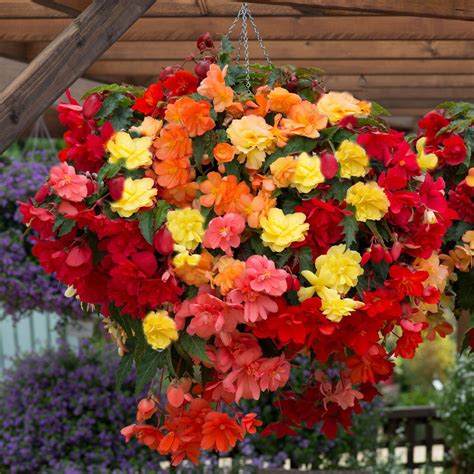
409,55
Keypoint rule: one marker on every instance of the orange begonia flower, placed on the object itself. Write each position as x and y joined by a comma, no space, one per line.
199,274
223,193
194,116
281,100
228,269
173,143
224,152
181,196
220,432
236,110
305,120
259,107
259,207
213,87
172,172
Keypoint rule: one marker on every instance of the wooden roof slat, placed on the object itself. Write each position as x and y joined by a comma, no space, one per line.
330,66
69,7
461,9
271,28
358,49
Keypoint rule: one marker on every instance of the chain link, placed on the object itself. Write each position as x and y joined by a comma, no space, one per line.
243,16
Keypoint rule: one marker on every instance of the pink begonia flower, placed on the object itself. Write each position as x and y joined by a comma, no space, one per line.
342,393
274,373
243,349
213,316
244,382
224,232
256,305
264,276
67,184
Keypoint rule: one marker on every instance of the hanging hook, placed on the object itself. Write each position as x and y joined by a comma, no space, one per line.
243,16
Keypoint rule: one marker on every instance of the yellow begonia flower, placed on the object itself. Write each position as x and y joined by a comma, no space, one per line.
334,307
306,292
339,268
253,138
182,259
369,199
137,193
307,173
159,329
280,230
186,227
337,105
425,161
135,151
352,159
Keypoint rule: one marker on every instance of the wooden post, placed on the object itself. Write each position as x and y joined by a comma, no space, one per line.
63,61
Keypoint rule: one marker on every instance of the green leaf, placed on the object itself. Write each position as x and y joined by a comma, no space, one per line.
161,211
233,167
109,170
198,151
339,189
124,368
289,202
59,221
350,228
283,257
194,345
121,118
146,221
305,257
136,91
149,363
377,109
66,227
257,245
294,146
110,103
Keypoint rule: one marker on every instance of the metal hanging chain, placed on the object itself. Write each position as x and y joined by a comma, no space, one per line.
243,16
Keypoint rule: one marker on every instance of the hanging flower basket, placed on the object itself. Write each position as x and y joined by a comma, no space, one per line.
225,222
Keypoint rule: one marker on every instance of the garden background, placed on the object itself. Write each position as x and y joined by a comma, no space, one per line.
62,353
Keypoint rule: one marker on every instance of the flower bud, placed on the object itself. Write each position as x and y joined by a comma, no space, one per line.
205,42
387,257
42,193
396,251
328,164
163,242
365,258
91,106
201,69
376,253
116,187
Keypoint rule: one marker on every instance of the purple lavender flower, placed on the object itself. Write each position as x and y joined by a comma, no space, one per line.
24,286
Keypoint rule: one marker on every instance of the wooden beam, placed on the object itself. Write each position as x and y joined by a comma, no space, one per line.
63,61
69,7
271,28
330,66
26,9
458,9
357,49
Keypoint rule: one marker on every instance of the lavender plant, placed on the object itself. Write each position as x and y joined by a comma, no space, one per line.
60,413
24,287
